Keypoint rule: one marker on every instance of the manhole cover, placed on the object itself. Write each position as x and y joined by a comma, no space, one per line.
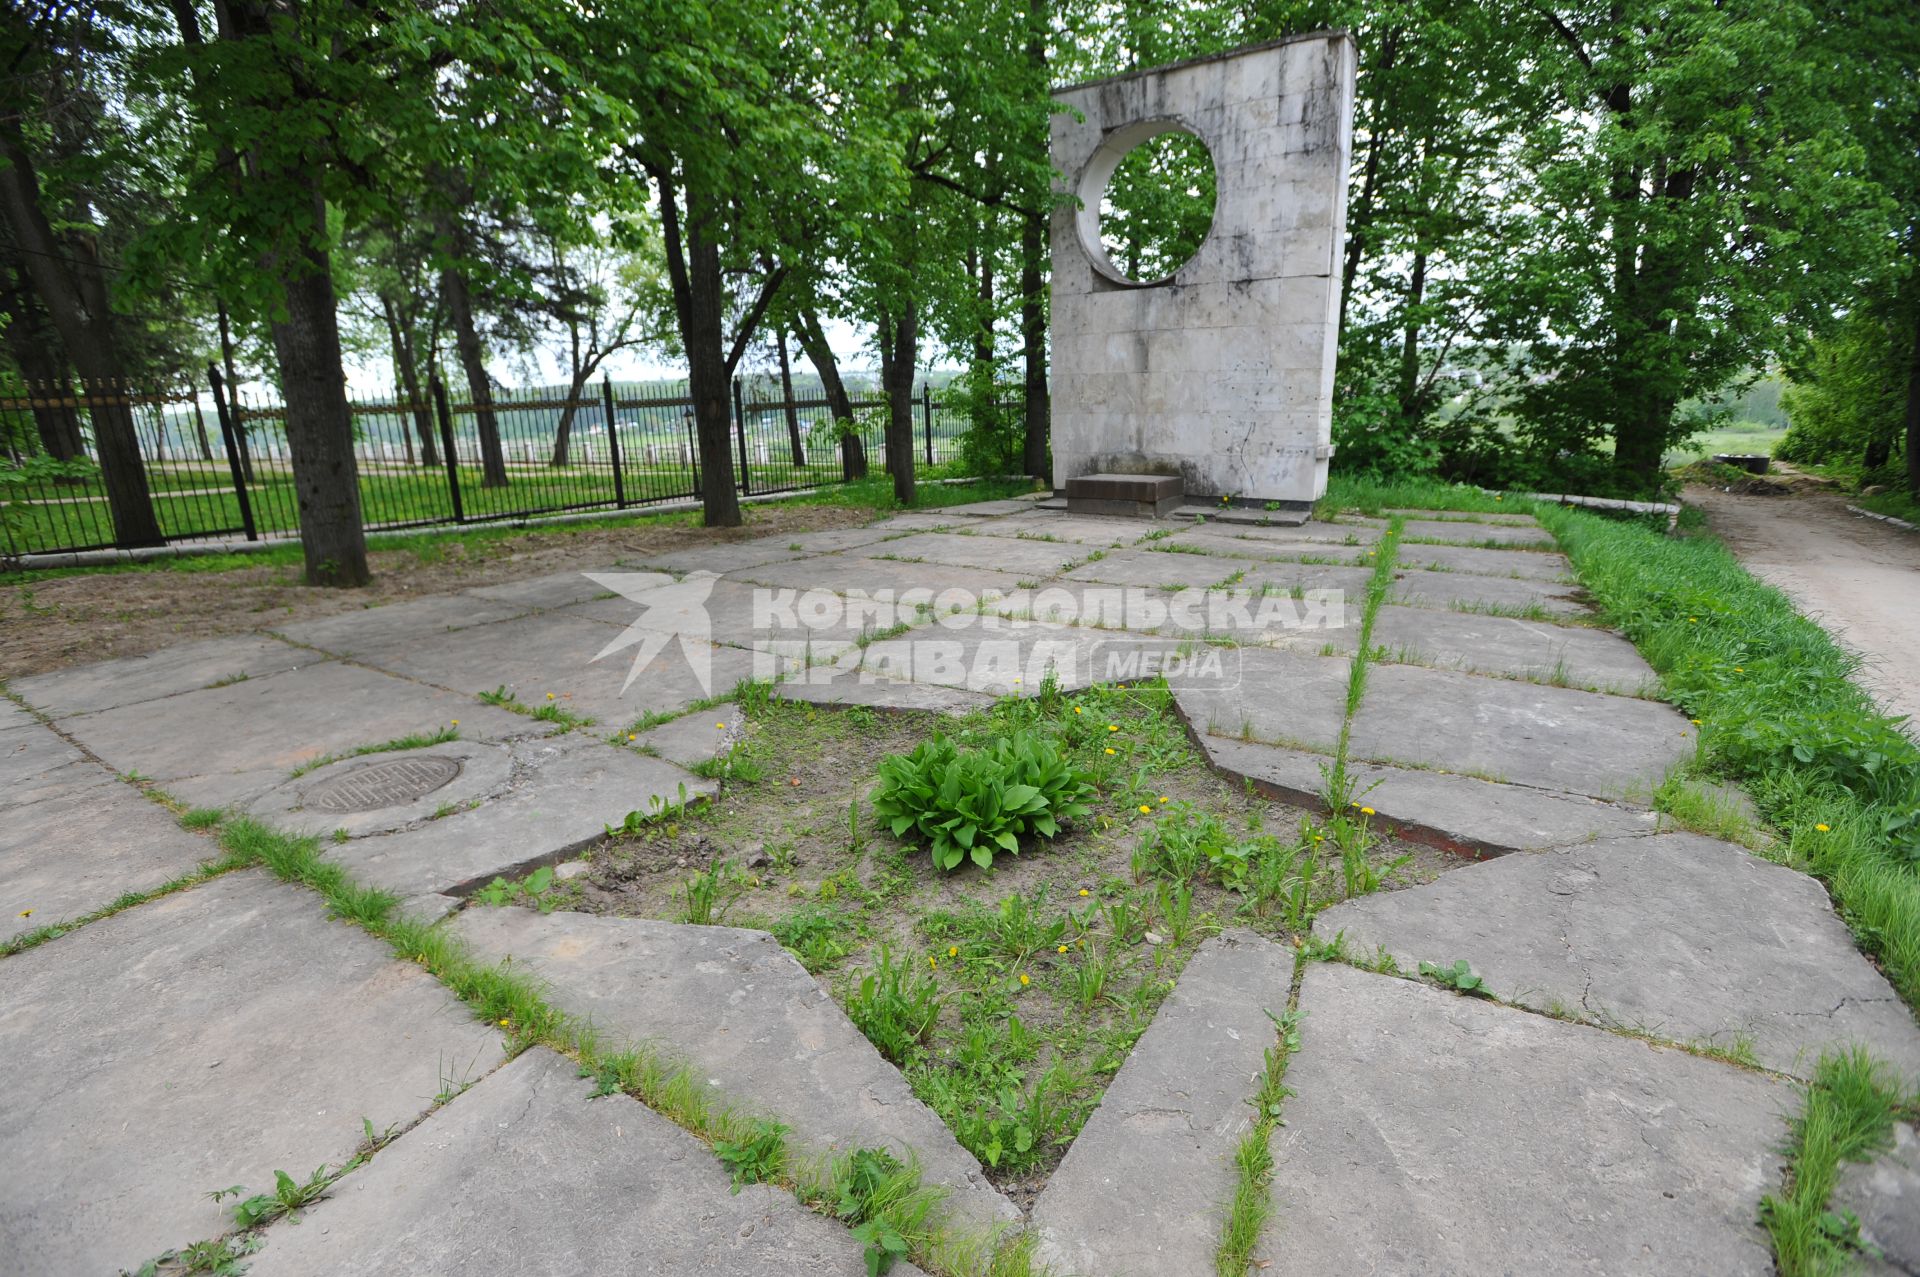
388,783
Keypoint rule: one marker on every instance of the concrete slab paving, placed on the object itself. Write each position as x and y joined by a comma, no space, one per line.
1327,532
564,792
1092,530
1533,565
554,652
261,729
980,549
1283,697
1684,937
1459,532
693,739
1455,813
855,687
203,1040
1557,738
525,1174
560,589
842,573
80,849
168,672
991,509
1885,1194
376,793
12,716
1140,1191
1149,569
1579,655
417,621
1231,544
832,539
1463,516
737,1008
1432,1133
1464,591
729,557
36,762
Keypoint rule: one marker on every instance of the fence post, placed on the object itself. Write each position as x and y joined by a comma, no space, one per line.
693,450
926,415
232,450
445,414
613,444
740,432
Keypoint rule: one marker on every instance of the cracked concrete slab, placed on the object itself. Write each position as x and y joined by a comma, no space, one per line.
1461,516
168,672
562,793
202,1040
1140,1191
856,687
1283,697
1684,937
853,571
560,589
1533,565
980,548
1578,655
80,848
694,739
730,557
746,1017
247,736
36,762
1145,568
1455,813
415,621
1465,592
1885,1194
1459,532
526,1174
1219,541
1433,1133
1557,738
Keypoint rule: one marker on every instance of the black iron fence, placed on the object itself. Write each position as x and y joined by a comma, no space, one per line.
216,463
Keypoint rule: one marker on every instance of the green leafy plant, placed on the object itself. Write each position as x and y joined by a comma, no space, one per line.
710,893
895,1006
975,803
1459,977
536,889
755,1155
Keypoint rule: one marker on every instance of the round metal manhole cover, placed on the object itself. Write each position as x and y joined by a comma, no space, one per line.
391,782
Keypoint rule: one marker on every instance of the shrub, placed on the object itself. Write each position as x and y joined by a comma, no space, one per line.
976,802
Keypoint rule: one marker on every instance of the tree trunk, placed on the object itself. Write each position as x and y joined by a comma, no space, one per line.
66,274
1409,387
466,341
699,296
563,433
813,340
1913,412
1033,343
407,366
786,392
37,352
899,351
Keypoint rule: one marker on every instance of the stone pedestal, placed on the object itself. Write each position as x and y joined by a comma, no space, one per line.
1222,373
1146,496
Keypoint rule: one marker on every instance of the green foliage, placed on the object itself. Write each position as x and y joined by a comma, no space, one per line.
1158,206
895,1005
535,890
710,893
1459,977
755,1154
1848,394
974,803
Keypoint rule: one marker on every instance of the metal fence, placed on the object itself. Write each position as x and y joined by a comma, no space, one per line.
217,464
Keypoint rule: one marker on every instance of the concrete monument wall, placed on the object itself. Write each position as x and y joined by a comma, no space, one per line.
1221,373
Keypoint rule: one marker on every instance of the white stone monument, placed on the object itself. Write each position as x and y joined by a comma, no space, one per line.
1220,374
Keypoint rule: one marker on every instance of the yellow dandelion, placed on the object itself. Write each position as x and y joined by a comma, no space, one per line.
1062,949
1024,982
1692,619
503,1024
631,738
1739,669
1694,721
456,722
1354,803
1366,811
1016,682
1076,709
953,951
549,695
1110,749
28,913
1163,798
1145,810
1822,828
933,962
1085,892
719,727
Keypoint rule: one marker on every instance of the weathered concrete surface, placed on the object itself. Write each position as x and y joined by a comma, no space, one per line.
729,611
1225,378
844,573
1084,529
831,539
80,848
722,558
555,652
485,769
12,716
736,1007
168,672
1218,540
1147,568
1533,565
1003,660
561,589
1577,654
981,549
565,791
854,687
693,739
1462,516
525,1174
36,764
1885,1194
1141,1190
203,1040
246,737
418,621
990,509
1344,535
1420,587
1431,1133
1456,813
1460,532
1688,938
1283,698
1556,738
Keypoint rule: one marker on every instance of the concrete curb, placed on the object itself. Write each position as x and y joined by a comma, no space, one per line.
1902,524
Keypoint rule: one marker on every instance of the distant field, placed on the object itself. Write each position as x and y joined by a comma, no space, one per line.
1743,436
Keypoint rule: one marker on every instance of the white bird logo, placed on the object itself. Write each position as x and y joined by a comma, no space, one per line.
669,609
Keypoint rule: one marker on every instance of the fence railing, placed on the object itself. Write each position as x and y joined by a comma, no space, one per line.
216,462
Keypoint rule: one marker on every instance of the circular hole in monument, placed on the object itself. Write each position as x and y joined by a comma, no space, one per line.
1157,206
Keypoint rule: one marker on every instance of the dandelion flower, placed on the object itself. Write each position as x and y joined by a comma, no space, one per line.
933,962
1110,749
1822,828
1062,949
1024,982
631,738
1085,892
1694,721
1076,709
28,913
1145,810
1113,727
1739,669
1163,798
953,951
1366,811
719,727
549,695
1692,619
456,722
503,1023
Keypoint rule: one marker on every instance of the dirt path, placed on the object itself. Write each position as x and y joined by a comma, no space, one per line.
1860,578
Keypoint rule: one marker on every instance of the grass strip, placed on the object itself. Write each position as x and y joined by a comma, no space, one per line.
1252,1204
1338,795
208,871
1847,1116
413,740
890,1211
